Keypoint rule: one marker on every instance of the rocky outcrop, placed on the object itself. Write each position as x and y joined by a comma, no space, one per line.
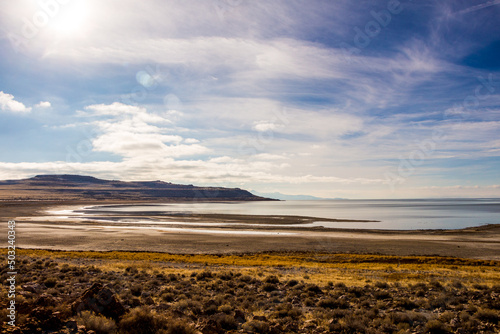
100,300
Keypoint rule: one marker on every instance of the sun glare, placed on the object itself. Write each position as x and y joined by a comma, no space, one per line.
71,18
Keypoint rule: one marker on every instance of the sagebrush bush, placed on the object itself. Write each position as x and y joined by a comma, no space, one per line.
141,320
97,323
488,315
179,327
256,326
436,327
268,287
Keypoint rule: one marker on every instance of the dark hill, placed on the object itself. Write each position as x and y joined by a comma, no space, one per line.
78,187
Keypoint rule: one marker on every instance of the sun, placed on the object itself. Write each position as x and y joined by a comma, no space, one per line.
71,18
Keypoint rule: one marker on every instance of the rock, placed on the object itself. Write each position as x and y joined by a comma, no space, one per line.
100,300
46,318
33,287
71,325
41,313
47,300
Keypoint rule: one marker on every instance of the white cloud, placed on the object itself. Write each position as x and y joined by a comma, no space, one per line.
114,109
265,126
267,156
204,172
43,104
191,141
7,103
134,134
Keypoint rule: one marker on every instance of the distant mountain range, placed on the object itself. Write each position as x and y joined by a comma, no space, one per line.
78,187
284,197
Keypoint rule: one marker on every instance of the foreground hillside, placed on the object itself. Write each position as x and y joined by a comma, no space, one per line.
124,292
77,187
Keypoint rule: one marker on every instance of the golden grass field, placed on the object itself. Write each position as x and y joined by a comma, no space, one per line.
352,269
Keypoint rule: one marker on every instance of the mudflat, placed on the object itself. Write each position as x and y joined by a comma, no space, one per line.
35,229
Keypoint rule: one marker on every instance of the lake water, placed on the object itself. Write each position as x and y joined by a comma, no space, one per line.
391,214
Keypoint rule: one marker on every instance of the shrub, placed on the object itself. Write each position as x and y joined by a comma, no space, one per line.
168,297
382,295
173,277
407,317
340,285
226,321
179,327
314,289
406,303
268,287
246,278
356,291
287,310
439,302
272,279
141,320
436,284
350,325
333,303
381,285
256,326
203,275
225,276
436,327
488,315
136,290
226,308
97,323
292,282
456,284
131,270
50,282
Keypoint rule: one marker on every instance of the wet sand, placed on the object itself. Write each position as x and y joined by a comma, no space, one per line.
35,230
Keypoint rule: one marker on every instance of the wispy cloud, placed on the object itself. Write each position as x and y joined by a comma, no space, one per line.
254,93
479,7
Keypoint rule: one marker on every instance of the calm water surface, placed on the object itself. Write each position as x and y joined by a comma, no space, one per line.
391,214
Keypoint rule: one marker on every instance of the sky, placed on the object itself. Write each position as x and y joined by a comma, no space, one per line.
365,99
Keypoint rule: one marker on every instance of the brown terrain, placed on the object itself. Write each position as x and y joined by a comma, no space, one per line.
78,275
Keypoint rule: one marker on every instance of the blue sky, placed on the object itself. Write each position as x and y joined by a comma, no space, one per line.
366,99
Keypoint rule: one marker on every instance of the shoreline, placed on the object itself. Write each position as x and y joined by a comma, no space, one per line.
481,242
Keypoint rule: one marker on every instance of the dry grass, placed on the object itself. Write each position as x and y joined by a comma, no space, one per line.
352,269
260,293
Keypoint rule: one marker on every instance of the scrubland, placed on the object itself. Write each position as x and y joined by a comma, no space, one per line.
254,293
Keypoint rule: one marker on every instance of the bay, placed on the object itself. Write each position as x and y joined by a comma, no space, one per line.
393,214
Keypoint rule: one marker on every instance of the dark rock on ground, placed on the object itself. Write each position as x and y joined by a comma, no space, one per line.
100,300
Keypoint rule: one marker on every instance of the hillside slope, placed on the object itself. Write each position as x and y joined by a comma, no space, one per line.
78,187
